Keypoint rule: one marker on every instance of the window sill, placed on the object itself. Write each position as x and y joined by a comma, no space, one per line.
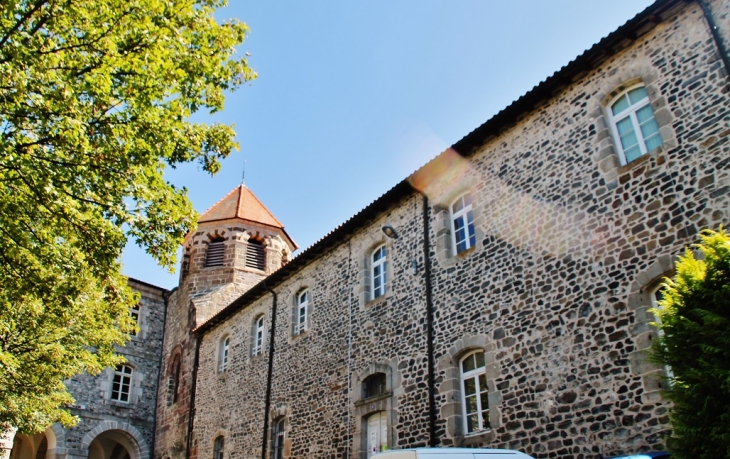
640,160
118,404
475,438
381,300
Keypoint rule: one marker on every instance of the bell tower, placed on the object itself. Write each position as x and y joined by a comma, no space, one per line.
237,244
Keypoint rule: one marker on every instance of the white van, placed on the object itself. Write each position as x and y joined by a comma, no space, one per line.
451,453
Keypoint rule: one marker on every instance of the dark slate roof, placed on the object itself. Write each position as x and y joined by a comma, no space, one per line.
592,58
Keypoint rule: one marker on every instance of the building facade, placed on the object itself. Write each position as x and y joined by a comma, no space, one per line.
116,408
498,297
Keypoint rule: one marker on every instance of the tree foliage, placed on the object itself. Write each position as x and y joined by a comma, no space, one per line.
694,319
95,100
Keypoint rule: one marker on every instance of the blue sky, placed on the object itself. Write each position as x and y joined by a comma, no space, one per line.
352,96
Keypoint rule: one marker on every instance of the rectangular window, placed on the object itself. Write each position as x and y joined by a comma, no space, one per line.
462,224
122,383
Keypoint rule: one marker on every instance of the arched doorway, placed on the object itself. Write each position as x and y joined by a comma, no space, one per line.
30,446
114,444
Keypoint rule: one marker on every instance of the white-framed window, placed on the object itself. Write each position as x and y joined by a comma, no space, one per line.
378,271
258,336
134,313
218,447
633,124
462,224
122,383
216,251
301,311
474,393
223,349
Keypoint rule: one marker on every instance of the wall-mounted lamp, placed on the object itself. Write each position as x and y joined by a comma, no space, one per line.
390,232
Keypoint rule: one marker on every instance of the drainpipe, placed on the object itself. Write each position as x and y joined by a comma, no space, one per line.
267,403
433,441
349,350
721,49
191,409
165,297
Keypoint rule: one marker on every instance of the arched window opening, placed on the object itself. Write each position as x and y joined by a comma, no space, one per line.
218,447
257,346
462,224
373,385
633,124
223,348
215,253
300,312
378,268
474,392
174,380
255,254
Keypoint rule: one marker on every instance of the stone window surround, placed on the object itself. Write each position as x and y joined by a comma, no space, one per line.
628,112
135,389
443,225
211,235
367,246
450,390
227,447
607,156
292,300
640,303
363,408
276,414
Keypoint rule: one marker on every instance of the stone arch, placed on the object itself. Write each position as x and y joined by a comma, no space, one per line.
56,442
135,444
450,388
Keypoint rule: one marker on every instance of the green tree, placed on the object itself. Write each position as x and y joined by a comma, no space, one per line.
95,100
694,320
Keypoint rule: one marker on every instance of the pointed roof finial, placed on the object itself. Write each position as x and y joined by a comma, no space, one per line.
243,176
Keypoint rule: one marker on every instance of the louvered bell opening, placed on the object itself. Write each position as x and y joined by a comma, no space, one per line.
214,257
255,255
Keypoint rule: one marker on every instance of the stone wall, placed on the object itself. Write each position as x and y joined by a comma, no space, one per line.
555,292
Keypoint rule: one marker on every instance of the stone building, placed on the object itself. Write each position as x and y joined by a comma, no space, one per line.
497,297
116,408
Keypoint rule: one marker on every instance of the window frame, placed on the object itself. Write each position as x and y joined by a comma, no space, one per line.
126,379
654,297
224,349
474,374
278,431
382,264
219,447
630,111
258,336
301,312
469,228
135,313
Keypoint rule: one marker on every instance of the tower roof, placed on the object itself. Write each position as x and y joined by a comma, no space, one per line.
242,204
